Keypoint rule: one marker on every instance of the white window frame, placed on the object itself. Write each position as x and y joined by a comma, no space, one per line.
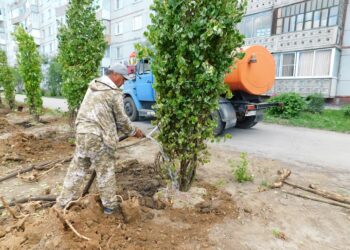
135,25
296,65
118,4
118,28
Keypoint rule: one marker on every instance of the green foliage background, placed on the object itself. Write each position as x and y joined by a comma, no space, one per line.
315,103
193,43
54,78
81,49
294,104
7,80
29,66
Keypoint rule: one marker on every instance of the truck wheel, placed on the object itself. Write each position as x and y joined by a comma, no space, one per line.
247,122
130,109
220,125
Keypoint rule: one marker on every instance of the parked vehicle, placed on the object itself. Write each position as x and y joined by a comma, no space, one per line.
252,77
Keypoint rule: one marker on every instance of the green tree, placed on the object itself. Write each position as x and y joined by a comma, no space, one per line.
81,49
29,66
18,80
7,80
54,78
194,44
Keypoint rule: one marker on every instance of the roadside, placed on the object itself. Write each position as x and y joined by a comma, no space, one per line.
330,119
49,102
233,215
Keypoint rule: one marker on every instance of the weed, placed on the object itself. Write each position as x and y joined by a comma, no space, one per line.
240,171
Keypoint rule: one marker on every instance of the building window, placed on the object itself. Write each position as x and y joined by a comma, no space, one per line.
306,60
118,4
137,23
333,16
311,63
322,62
288,64
257,25
118,28
306,15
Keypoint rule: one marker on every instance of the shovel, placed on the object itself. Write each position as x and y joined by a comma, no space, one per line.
122,138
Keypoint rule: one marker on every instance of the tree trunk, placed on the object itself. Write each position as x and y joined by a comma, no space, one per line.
72,117
187,173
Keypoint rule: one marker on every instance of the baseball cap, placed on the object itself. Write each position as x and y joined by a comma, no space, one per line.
121,70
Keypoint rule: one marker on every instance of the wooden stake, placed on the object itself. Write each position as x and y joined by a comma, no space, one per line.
316,199
283,175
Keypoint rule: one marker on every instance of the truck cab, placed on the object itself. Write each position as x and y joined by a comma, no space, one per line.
139,94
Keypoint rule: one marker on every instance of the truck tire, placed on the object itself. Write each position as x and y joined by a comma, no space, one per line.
220,125
247,122
130,109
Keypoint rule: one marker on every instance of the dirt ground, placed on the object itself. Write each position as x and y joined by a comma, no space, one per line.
233,215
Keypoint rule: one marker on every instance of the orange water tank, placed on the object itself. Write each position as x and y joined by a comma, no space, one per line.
255,73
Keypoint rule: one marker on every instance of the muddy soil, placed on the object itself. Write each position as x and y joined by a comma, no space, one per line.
233,215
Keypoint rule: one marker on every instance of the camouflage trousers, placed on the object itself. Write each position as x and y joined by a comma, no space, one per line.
90,151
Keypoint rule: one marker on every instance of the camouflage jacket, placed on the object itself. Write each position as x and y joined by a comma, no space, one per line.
102,112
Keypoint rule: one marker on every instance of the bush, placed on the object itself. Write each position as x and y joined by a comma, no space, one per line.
240,171
346,111
315,103
293,104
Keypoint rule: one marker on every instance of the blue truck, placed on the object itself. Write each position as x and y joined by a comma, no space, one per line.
244,110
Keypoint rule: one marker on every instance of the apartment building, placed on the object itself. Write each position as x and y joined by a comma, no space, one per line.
3,33
125,22
310,41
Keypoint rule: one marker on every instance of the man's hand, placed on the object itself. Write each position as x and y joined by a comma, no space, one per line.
139,133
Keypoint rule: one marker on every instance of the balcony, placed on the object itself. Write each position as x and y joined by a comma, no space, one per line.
302,40
306,86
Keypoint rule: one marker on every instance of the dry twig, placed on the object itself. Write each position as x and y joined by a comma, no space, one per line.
7,207
67,223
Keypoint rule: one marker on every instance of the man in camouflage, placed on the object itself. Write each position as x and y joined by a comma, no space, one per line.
100,117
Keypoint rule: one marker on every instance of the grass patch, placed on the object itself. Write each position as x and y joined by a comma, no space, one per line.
333,120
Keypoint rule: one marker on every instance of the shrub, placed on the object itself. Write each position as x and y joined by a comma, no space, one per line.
346,111
80,50
29,66
240,171
293,104
192,43
315,103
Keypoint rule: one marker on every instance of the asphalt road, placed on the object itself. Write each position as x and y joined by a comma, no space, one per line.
313,147
49,102
294,145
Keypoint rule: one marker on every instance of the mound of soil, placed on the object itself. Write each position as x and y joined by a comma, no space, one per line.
152,229
21,147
